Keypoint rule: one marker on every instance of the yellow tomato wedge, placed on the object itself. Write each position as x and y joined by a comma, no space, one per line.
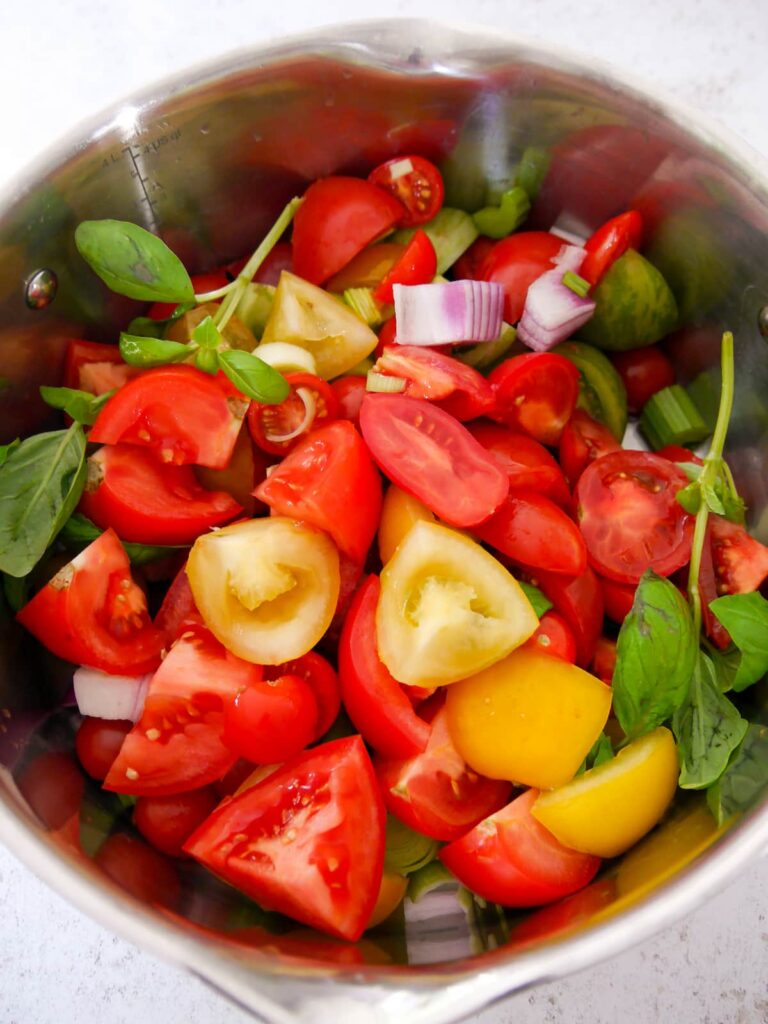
609,808
267,589
391,895
399,513
236,334
367,268
447,608
530,718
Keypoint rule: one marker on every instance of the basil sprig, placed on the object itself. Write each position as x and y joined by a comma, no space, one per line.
6,449
147,352
745,616
745,778
81,406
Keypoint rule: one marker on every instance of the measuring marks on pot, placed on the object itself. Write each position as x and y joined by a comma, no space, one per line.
138,156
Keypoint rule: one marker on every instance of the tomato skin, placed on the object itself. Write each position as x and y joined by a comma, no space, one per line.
604,661
509,858
740,561
469,265
338,218
676,453
417,265
314,830
350,392
582,441
326,475
98,743
535,532
618,598
528,464
387,335
322,680
535,393
429,454
420,190
178,608
554,636
181,413
516,262
140,870
458,389
266,420
644,371
580,601
610,241
77,615
373,699
271,720
630,517
94,367
53,786
166,822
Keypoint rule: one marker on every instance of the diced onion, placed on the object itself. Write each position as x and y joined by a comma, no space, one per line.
552,311
453,313
310,409
283,356
384,383
100,695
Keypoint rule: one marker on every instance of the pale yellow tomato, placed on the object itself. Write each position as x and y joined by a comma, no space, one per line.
236,334
609,808
391,894
530,718
399,513
447,608
267,588
238,477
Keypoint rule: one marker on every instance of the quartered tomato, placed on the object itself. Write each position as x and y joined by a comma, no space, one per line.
535,532
630,517
416,265
516,262
618,598
528,464
416,182
644,371
580,601
553,636
535,393
457,388
322,680
582,441
96,368
610,241
168,821
350,392
178,608
741,562
307,841
182,414
271,720
277,429
92,613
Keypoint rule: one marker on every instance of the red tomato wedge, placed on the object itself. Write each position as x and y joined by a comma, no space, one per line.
610,241
148,503
527,463
644,371
92,613
338,218
554,636
322,680
417,265
177,744
96,368
582,441
307,841
330,482
416,182
535,532
373,699
178,608
579,600
535,393
604,661
516,262
618,598
180,413
457,388
428,453
435,792
350,392
277,429
511,859
741,562
630,517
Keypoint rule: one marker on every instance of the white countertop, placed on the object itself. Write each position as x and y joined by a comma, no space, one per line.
64,60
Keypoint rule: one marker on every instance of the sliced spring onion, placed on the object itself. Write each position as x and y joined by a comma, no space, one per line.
383,383
578,285
487,353
406,851
310,410
532,170
460,312
100,695
286,358
427,879
451,232
670,417
362,302
552,311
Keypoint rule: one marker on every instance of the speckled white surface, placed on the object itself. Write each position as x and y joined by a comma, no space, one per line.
65,59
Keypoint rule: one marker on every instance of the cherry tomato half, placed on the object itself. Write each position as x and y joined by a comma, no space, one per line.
535,532
417,265
741,562
582,441
515,263
277,429
416,182
528,464
322,680
98,743
457,388
168,821
644,371
271,720
535,393
610,241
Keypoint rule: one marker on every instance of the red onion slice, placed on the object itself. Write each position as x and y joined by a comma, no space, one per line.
552,310
453,313
99,695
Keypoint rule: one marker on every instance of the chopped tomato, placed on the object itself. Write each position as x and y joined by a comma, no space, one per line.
329,474
516,262
676,453
535,532
741,562
417,265
582,441
610,241
427,452
554,636
96,368
367,269
177,744
416,182
618,598
307,841
604,661
178,608
457,388
322,680
98,743
271,720
630,517
350,392
168,821
92,613
580,601
509,858
311,402
468,266
246,468
179,412
535,393
201,283
53,786
644,371
528,464
387,335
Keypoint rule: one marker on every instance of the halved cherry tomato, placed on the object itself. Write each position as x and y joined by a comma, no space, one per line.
98,743
416,182
630,517
535,393
644,371
741,562
604,661
417,265
610,241
367,269
676,453
167,822
554,636
177,744
457,388
271,720
618,598
350,392
202,283
528,464
509,858
580,602
278,428
179,412
96,368
468,267
322,480
92,613
322,680
279,259
373,699
435,792
516,262
307,841
178,608
140,870
338,218
535,532
582,441
427,452
143,501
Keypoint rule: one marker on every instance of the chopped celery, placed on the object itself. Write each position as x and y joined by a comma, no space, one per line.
576,284
254,306
670,417
407,851
486,354
428,878
383,383
362,302
532,170
502,219
704,392
451,232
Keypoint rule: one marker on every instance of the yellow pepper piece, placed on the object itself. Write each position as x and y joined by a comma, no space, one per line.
398,514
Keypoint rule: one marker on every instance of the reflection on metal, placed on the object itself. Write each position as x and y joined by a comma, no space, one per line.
41,289
762,321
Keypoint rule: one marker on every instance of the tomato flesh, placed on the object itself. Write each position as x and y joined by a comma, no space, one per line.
554,636
610,241
277,429
322,680
456,388
535,393
96,368
579,600
528,464
416,182
271,720
350,392
582,441
417,265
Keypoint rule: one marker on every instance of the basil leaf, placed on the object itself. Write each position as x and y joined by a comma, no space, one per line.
207,334
602,751
655,657
690,498
15,589
745,616
691,469
708,728
726,666
6,449
80,405
148,327
207,360
78,532
253,377
40,485
711,495
149,352
538,601
745,779
131,261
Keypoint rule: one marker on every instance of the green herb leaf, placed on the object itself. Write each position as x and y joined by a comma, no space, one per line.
691,469
709,493
78,532
207,360
745,616
40,485
708,728
538,601
745,779
253,377
690,498
655,657
602,751
207,334
148,327
80,405
726,666
133,262
6,449
15,589
149,352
